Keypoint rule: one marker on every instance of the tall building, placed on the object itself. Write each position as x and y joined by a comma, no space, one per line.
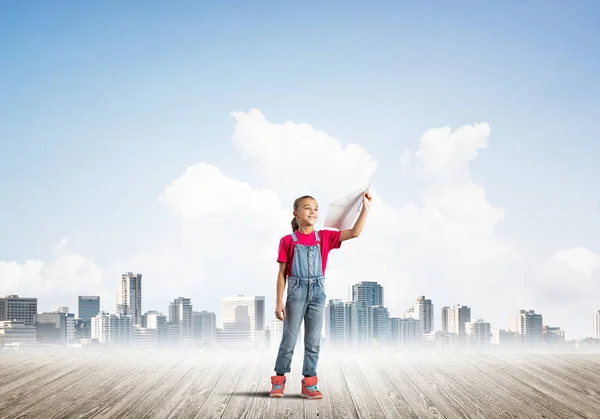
205,326
243,316
405,332
381,324
155,320
112,329
446,319
368,292
422,310
180,313
337,323
478,334
15,308
529,325
361,325
70,319
129,297
88,306
596,325
458,316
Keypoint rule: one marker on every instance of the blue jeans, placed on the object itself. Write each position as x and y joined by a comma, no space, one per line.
305,301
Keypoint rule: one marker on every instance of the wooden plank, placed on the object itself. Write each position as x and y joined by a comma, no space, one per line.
25,394
551,385
544,400
419,401
72,402
183,396
389,397
261,405
32,372
232,384
579,375
173,373
480,388
365,402
14,362
456,394
218,399
588,368
336,396
115,399
247,388
496,382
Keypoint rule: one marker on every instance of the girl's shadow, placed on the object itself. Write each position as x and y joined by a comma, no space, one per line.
262,394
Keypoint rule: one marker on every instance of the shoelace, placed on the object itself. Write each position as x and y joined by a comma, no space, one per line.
277,387
312,388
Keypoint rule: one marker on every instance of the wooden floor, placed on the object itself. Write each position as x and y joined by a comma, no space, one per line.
79,383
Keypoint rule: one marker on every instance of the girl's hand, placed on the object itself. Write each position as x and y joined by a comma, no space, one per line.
367,200
280,311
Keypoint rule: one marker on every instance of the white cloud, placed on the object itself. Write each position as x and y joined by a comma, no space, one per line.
567,285
455,215
293,156
443,152
570,277
579,260
65,276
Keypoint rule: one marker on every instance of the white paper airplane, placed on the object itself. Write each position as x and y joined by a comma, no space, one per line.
342,213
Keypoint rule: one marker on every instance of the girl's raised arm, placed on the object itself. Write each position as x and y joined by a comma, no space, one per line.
360,221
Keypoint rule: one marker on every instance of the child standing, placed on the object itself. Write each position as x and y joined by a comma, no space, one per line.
302,262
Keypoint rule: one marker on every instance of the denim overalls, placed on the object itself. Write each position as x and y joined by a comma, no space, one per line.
305,300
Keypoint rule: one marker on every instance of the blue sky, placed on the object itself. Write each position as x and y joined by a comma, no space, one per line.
103,105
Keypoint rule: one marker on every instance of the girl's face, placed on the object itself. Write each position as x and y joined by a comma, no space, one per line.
307,212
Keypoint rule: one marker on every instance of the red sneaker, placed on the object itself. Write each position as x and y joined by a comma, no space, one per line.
277,385
309,388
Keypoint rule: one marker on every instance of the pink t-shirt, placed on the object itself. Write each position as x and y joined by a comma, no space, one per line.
329,239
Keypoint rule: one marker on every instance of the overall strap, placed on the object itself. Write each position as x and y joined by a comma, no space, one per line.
317,236
294,237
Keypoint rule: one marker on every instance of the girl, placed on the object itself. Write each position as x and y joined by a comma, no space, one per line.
302,262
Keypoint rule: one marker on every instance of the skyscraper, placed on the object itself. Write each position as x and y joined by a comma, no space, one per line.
180,313
368,292
528,325
381,324
112,329
423,311
337,323
478,333
458,315
129,299
89,306
446,313
205,326
361,325
405,332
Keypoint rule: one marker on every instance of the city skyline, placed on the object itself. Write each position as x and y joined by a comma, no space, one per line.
455,318
173,141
